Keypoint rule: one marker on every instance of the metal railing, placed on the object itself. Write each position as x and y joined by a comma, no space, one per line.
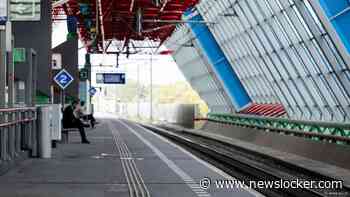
320,131
18,132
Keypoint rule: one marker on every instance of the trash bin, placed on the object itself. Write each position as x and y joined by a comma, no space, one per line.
56,121
44,129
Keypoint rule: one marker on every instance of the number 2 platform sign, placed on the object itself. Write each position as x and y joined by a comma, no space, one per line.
63,79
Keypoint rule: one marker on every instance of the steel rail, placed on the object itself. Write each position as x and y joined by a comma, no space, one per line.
247,165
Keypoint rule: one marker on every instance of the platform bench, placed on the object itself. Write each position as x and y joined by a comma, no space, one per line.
65,134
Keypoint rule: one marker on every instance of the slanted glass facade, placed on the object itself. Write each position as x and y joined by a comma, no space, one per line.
282,53
198,72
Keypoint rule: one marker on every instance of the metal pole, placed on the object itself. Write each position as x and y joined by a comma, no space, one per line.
10,67
151,93
138,91
28,135
62,99
2,90
29,80
2,67
34,131
4,31
6,46
89,97
35,77
11,91
45,134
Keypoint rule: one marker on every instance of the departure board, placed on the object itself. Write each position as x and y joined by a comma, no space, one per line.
110,78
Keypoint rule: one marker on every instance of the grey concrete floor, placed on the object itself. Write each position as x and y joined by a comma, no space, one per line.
122,158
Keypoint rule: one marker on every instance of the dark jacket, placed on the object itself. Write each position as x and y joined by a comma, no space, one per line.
68,117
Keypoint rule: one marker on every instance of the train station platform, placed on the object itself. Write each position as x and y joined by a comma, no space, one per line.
123,159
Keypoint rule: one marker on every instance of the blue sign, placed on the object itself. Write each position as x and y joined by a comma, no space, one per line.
3,20
110,78
63,79
3,12
92,91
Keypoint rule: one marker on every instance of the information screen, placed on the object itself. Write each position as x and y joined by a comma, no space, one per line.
110,78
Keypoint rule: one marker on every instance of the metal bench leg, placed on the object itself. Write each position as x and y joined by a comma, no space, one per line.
65,138
54,143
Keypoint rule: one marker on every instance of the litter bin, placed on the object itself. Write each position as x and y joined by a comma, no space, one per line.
56,121
44,129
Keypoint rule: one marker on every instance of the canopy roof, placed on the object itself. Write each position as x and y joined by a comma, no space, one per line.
101,21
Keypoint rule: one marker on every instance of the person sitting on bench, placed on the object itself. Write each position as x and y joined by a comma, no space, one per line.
70,121
80,111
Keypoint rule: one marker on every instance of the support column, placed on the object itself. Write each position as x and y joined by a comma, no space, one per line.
10,65
3,69
3,137
10,89
29,80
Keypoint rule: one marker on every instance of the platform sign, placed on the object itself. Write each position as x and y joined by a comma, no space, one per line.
19,55
63,79
92,91
83,74
110,78
3,12
56,61
25,10
114,78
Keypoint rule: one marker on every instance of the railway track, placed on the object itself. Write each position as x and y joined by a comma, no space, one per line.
246,165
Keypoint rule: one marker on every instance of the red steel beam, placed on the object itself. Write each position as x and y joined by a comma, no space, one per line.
118,19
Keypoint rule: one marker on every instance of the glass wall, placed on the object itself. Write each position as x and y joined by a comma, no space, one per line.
197,70
282,54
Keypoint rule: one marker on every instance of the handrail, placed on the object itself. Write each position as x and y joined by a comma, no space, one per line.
10,122
17,109
7,124
20,125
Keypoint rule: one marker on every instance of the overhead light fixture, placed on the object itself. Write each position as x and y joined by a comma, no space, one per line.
139,21
156,3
